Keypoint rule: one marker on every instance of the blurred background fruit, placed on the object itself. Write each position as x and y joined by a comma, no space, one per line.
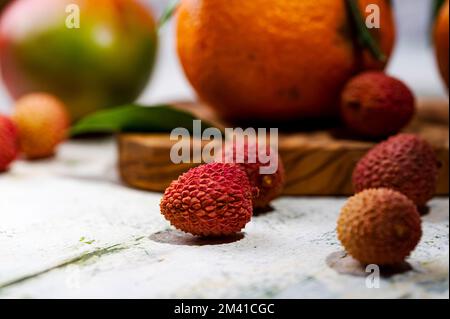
42,121
269,186
412,45
441,39
9,146
405,162
274,59
105,62
379,226
375,105
3,4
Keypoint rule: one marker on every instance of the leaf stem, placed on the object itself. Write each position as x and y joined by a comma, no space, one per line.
437,4
436,7
168,13
364,36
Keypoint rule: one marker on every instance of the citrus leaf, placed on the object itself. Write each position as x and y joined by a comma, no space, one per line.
137,119
437,4
364,36
436,8
168,13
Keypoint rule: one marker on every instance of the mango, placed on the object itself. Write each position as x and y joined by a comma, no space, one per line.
92,54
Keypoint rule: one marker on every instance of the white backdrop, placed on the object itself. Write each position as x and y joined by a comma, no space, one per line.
413,60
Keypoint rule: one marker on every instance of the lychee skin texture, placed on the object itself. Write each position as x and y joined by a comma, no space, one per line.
405,163
379,226
9,146
209,200
269,186
43,121
375,105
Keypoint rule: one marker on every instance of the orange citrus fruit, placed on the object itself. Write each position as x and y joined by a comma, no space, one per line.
275,59
441,40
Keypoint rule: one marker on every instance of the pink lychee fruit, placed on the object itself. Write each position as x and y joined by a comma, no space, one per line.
210,200
252,158
9,146
375,105
405,163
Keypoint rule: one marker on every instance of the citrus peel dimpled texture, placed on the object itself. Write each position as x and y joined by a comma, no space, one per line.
275,59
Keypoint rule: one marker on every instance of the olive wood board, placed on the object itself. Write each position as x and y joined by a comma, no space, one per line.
317,162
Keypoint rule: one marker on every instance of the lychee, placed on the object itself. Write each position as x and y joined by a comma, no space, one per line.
405,163
42,121
379,226
8,142
374,105
210,200
251,158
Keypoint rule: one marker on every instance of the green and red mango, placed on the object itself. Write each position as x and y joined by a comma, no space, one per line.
104,61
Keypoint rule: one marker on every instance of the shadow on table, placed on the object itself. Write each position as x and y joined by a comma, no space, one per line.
344,264
174,237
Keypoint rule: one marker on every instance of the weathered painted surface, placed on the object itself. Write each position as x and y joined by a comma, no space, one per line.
68,228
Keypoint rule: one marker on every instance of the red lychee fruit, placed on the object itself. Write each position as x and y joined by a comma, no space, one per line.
374,105
251,159
9,146
42,121
405,163
379,226
209,200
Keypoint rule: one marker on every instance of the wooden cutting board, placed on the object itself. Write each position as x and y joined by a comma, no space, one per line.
317,162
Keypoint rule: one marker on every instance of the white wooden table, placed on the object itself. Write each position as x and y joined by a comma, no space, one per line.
69,229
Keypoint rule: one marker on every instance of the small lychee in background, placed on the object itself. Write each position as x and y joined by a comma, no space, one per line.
376,105
42,122
249,157
379,226
8,142
405,163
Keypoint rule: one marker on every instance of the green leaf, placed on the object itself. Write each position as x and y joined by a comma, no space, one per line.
436,8
168,13
364,36
137,119
437,4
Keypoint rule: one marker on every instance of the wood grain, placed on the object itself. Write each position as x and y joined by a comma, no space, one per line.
317,162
